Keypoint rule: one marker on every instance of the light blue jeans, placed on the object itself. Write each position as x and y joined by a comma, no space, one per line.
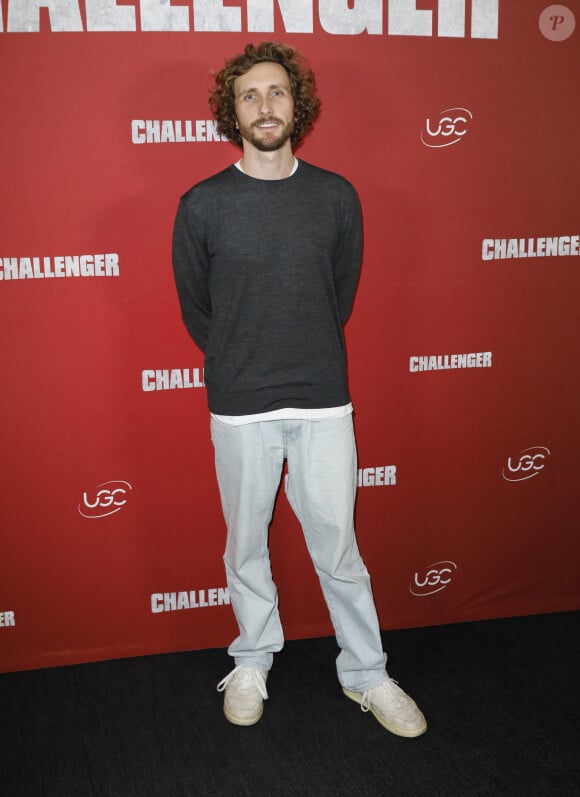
321,488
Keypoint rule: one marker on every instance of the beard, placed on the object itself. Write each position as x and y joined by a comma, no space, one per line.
267,140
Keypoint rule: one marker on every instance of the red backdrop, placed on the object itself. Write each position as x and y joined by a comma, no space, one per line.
458,124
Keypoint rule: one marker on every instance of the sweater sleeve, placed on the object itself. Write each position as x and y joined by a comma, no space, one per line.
191,272
347,259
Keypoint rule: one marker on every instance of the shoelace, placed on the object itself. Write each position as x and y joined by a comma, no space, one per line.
395,693
247,677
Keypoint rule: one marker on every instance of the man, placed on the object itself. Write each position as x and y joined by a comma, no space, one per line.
266,259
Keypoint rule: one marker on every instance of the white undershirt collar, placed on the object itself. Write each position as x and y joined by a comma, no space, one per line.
238,165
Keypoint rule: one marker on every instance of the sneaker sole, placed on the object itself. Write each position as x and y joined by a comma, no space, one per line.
243,720
407,733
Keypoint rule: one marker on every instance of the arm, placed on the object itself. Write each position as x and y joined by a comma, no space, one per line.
191,271
347,258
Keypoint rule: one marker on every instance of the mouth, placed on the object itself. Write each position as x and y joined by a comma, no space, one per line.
266,124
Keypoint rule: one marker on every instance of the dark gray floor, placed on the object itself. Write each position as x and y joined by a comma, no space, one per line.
502,699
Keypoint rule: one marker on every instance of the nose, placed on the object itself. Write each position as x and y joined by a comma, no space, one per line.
265,105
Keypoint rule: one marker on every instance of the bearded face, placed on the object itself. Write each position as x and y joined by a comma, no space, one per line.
264,106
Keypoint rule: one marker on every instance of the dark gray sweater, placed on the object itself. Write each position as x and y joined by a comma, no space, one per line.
266,272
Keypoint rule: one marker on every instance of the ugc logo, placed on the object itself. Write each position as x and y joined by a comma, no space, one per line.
448,129
433,579
109,498
530,463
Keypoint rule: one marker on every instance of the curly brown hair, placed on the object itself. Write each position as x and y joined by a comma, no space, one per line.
302,85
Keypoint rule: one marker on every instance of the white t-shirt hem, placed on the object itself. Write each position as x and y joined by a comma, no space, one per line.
286,414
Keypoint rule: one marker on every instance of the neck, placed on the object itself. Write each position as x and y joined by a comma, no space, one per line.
275,165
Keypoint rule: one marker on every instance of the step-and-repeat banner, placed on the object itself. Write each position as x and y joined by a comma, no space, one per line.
458,123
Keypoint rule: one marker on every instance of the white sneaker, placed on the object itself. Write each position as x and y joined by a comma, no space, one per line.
394,709
245,692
